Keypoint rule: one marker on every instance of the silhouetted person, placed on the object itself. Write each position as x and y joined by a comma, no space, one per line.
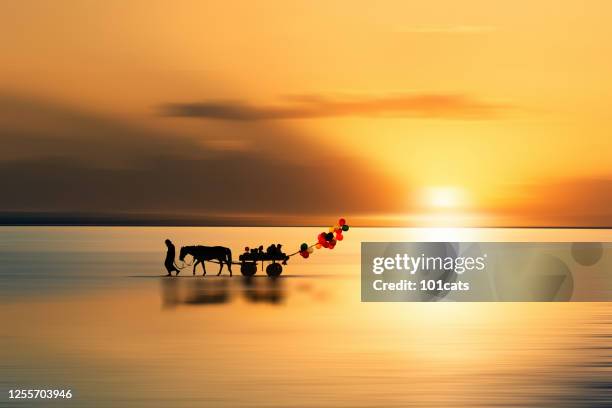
169,263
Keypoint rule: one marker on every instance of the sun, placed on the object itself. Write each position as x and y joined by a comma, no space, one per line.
444,198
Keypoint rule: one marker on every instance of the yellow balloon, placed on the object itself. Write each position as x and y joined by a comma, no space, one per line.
310,249
318,246
331,229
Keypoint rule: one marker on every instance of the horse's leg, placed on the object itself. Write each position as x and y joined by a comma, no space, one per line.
195,264
221,266
204,268
228,259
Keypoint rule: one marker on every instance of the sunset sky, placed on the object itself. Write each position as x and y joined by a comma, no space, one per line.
392,113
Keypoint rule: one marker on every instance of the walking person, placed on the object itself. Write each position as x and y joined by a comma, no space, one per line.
169,262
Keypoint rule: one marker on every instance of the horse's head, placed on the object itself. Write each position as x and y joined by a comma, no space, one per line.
183,253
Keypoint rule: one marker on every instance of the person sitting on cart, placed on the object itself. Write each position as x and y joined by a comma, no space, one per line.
282,255
273,251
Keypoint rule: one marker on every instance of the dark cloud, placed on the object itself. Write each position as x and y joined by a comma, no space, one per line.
55,161
31,128
230,184
449,106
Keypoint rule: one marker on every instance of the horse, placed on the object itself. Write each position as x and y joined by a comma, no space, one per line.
205,253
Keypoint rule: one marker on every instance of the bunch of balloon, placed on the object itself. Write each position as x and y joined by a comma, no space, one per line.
306,250
326,239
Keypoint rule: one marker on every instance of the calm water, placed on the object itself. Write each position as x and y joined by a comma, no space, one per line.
87,309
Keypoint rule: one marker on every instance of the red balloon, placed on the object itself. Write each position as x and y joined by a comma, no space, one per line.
325,244
321,238
341,221
339,237
332,244
305,254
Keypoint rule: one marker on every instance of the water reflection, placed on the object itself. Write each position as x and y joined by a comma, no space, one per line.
211,291
266,290
76,317
589,380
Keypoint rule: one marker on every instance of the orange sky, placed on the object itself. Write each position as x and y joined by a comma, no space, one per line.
502,106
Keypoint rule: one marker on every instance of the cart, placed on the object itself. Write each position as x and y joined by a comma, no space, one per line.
249,260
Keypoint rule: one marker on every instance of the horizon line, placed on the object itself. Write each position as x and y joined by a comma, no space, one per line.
47,219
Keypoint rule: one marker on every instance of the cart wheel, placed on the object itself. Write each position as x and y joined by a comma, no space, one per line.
248,268
274,269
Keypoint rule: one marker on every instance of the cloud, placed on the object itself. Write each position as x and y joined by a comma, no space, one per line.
56,162
31,128
227,184
447,106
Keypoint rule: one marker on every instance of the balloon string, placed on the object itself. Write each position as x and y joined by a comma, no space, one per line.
297,252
